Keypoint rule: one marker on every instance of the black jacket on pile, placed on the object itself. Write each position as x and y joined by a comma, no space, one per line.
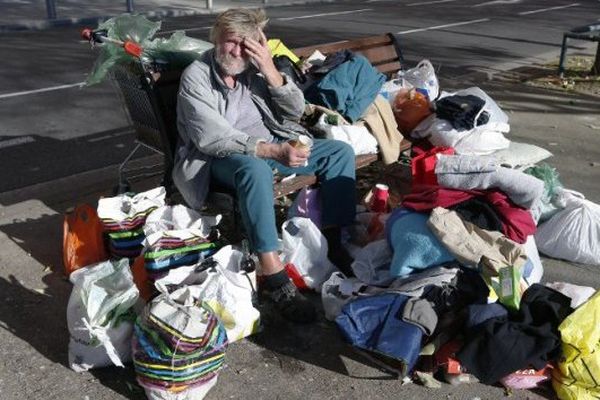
528,337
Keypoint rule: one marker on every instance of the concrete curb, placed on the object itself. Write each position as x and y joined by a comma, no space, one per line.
40,25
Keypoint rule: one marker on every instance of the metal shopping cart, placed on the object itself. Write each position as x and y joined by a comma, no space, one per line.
149,93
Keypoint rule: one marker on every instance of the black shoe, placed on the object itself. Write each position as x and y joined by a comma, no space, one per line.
292,304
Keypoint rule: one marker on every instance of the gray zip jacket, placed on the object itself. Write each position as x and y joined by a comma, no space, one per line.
204,132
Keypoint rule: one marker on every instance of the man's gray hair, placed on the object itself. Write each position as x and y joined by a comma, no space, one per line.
241,21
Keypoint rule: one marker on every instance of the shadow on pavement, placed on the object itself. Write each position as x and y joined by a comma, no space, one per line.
318,343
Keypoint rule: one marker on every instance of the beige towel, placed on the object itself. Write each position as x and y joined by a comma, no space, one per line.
379,120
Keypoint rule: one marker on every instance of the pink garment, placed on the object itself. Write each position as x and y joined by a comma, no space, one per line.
517,222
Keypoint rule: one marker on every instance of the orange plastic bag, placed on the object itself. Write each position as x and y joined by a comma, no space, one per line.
141,279
410,108
83,243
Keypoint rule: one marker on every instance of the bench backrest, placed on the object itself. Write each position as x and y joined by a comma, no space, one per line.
152,101
382,51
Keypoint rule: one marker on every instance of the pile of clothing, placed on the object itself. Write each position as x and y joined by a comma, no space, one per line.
343,90
452,289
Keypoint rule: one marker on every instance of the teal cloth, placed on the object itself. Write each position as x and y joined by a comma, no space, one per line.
349,88
415,246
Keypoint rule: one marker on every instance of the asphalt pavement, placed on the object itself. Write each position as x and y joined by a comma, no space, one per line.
61,147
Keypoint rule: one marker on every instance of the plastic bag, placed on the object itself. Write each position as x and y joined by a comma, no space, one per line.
178,51
552,187
178,347
306,248
100,315
481,140
177,236
372,263
227,289
337,291
123,219
423,77
358,137
307,204
572,234
141,278
390,89
83,243
576,377
124,27
410,108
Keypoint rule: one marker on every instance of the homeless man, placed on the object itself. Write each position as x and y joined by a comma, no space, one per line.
235,115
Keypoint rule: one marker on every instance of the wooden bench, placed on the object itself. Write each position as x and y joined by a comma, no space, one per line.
151,101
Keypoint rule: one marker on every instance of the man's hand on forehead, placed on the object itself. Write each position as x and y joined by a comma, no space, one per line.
259,52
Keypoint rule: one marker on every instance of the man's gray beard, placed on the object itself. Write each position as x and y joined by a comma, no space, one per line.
230,66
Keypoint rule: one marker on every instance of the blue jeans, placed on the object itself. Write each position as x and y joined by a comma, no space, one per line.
251,179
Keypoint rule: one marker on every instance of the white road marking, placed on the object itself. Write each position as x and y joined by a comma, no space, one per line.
200,28
111,136
432,28
428,2
16,141
324,14
548,9
492,3
48,89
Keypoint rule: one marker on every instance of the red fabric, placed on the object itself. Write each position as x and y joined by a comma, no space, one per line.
517,222
423,166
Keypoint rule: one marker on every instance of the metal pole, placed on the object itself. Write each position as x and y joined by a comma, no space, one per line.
563,53
209,4
51,9
265,1
129,6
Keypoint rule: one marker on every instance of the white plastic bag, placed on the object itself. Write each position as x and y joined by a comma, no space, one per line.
481,140
99,315
337,291
127,209
191,393
423,77
225,288
390,89
306,248
358,137
178,221
533,257
372,263
573,233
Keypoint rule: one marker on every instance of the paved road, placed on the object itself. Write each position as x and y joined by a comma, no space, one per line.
53,128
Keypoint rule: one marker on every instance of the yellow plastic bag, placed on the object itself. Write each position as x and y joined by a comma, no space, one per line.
279,49
578,372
